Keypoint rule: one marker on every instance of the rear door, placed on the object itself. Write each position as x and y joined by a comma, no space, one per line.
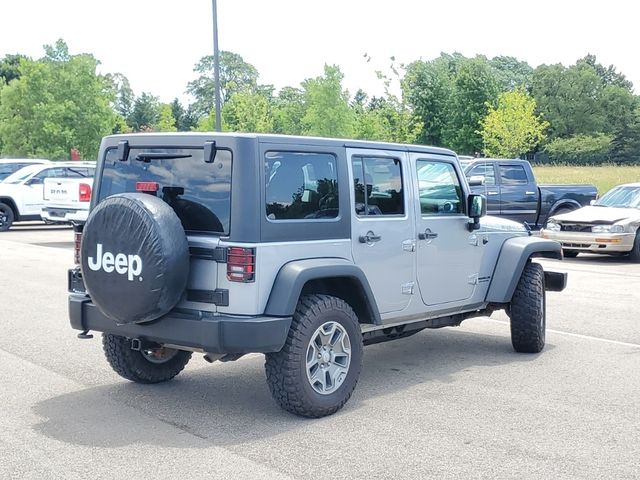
383,232
518,193
490,189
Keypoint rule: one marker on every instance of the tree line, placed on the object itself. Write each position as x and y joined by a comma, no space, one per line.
584,113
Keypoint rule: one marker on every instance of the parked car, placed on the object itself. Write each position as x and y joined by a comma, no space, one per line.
67,200
513,193
303,249
11,165
610,225
22,193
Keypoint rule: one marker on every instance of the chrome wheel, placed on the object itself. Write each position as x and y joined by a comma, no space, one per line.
328,358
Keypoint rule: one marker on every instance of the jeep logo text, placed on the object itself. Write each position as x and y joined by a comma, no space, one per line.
121,263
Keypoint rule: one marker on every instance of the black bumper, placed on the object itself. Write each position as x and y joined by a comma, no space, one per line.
555,281
215,334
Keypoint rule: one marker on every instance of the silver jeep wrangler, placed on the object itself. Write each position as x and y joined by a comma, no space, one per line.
303,249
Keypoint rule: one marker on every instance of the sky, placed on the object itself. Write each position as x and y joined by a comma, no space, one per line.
156,43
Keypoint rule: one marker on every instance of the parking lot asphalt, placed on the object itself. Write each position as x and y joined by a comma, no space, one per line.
447,403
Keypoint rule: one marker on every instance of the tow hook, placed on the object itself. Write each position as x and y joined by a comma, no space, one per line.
85,335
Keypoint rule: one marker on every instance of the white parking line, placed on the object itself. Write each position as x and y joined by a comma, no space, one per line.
577,335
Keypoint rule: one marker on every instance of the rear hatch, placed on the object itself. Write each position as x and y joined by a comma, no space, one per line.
199,193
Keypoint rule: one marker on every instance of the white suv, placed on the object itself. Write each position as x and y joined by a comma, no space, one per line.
12,165
22,193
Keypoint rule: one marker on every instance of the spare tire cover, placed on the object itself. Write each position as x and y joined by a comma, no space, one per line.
135,257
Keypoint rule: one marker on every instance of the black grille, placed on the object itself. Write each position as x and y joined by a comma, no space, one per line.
575,228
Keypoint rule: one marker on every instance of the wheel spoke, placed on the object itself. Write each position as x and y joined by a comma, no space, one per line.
328,357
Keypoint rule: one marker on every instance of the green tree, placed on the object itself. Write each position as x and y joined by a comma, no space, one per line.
327,111
512,128
10,67
247,112
236,76
475,89
287,111
511,73
57,103
145,113
122,93
166,121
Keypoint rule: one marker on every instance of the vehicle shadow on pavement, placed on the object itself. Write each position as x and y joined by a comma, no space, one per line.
230,404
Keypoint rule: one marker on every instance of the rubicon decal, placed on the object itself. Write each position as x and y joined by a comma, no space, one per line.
131,265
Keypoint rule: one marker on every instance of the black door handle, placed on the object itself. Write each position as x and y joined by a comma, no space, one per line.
370,237
427,235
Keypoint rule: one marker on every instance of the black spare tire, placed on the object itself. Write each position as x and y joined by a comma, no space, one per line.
135,257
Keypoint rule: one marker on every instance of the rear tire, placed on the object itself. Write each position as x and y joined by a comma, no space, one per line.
570,253
150,366
6,217
634,255
317,370
528,311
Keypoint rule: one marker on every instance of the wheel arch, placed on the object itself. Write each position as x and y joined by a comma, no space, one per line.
514,255
564,203
9,201
331,276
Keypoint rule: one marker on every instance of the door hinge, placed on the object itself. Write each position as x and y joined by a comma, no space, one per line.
473,279
407,288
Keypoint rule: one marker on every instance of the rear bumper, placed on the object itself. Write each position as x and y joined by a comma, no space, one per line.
55,214
215,334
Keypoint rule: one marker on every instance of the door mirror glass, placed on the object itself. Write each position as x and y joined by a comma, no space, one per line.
476,180
33,181
477,207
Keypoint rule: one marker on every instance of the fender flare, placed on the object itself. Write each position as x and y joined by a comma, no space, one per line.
292,277
514,255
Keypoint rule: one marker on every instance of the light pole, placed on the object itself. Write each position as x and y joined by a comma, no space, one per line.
216,63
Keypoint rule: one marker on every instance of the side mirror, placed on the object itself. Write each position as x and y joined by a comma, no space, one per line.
477,208
34,181
476,180
592,202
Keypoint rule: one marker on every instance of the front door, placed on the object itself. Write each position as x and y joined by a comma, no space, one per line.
449,255
383,235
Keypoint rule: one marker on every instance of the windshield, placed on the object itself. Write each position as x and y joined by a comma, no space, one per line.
626,197
199,192
22,174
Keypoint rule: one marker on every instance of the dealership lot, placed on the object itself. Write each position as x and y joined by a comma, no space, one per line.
448,403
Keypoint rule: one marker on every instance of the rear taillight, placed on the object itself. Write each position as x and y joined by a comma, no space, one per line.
241,264
77,240
85,192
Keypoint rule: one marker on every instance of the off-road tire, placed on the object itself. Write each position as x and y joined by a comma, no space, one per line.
132,364
286,369
528,311
7,213
570,253
634,255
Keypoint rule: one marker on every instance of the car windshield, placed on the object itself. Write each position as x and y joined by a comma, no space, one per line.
22,174
625,197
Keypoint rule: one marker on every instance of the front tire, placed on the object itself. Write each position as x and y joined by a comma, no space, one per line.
143,366
6,217
318,368
634,255
528,311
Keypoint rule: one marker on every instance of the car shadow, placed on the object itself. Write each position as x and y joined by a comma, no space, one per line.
231,404
591,259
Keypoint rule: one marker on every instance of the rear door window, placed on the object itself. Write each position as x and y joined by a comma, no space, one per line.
378,186
199,192
513,175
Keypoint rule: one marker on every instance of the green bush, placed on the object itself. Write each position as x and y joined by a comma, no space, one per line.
580,149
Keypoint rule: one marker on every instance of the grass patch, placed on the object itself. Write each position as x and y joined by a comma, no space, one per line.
604,177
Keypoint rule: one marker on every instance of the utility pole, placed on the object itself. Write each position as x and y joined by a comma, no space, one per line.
216,63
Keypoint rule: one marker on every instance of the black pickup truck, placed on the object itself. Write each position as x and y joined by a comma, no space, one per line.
512,191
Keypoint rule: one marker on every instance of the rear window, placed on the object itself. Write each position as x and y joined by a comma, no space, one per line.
199,192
